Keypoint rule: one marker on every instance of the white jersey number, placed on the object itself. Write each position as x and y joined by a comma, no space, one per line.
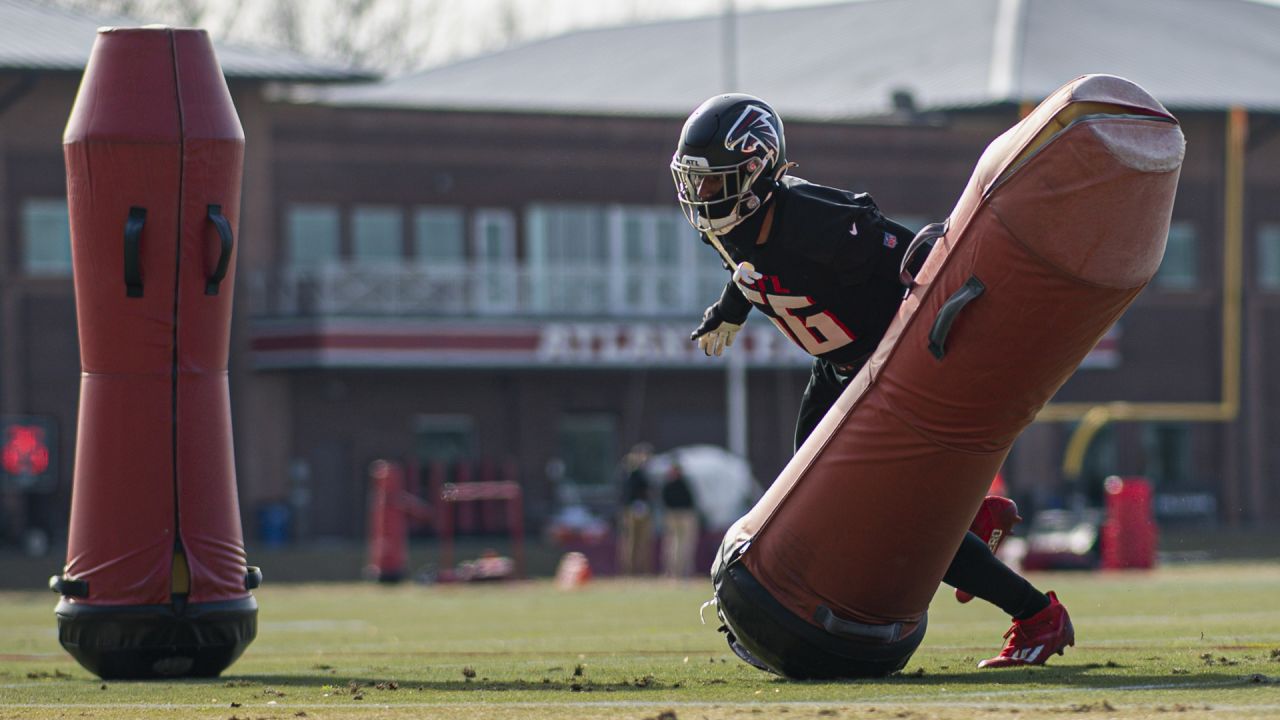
817,333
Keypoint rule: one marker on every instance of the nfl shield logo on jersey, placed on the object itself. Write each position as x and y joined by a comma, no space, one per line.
890,240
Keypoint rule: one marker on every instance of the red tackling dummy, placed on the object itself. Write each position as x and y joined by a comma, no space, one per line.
1061,226
155,582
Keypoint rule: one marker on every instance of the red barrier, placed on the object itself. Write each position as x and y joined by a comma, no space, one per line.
1129,534
468,519
392,508
155,582
468,495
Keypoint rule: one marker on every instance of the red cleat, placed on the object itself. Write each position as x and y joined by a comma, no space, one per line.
1033,640
993,523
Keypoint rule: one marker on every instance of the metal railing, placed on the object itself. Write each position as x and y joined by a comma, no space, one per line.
504,290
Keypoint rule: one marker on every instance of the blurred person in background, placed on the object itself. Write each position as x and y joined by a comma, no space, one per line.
679,524
635,516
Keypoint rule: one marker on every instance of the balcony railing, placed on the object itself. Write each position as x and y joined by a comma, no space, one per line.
507,290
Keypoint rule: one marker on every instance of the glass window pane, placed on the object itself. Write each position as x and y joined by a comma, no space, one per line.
570,251
376,233
496,277
495,236
1167,448
588,446
659,240
443,439
46,237
711,273
1269,256
573,234
312,235
633,237
672,231
1178,269
438,235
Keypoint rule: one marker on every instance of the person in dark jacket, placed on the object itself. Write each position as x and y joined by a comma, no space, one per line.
679,524
635,515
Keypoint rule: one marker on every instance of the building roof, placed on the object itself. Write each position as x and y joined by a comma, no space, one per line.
37,36
846,60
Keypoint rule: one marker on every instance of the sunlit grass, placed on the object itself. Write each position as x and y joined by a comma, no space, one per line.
1192,640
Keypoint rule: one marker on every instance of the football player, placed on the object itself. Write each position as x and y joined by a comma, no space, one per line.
824,265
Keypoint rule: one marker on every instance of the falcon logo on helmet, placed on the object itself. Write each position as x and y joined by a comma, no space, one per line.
753,132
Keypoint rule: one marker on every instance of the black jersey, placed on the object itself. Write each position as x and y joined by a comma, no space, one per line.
830,270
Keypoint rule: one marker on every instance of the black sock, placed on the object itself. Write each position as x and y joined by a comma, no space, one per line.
977,571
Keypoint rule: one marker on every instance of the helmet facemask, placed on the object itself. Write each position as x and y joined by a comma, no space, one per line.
716,199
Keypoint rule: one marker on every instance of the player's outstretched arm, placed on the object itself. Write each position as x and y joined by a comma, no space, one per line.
722,321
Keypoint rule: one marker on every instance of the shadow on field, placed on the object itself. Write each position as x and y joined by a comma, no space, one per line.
339,684
1089,675
1092,676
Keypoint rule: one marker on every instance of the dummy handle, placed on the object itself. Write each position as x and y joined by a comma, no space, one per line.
837,625
252,577
68,587
224,258
927,238
133,251
971,289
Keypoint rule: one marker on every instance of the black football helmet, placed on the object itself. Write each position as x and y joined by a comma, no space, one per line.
732,153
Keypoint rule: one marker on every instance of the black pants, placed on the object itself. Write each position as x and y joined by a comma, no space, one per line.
826,382
974,569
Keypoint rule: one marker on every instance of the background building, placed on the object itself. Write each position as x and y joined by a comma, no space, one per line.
483,265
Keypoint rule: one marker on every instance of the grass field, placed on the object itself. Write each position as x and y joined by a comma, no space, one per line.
1182,642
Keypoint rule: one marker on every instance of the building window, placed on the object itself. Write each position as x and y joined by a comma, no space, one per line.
313,235
1167,448
377,234
495,237
1100,462
439,237
660,241
620,260
1269,256
589,448
1178,269
496,288
568,258
572,234
46,237
443,439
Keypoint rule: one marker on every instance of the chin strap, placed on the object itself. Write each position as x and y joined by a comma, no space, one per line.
715,243
774,183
